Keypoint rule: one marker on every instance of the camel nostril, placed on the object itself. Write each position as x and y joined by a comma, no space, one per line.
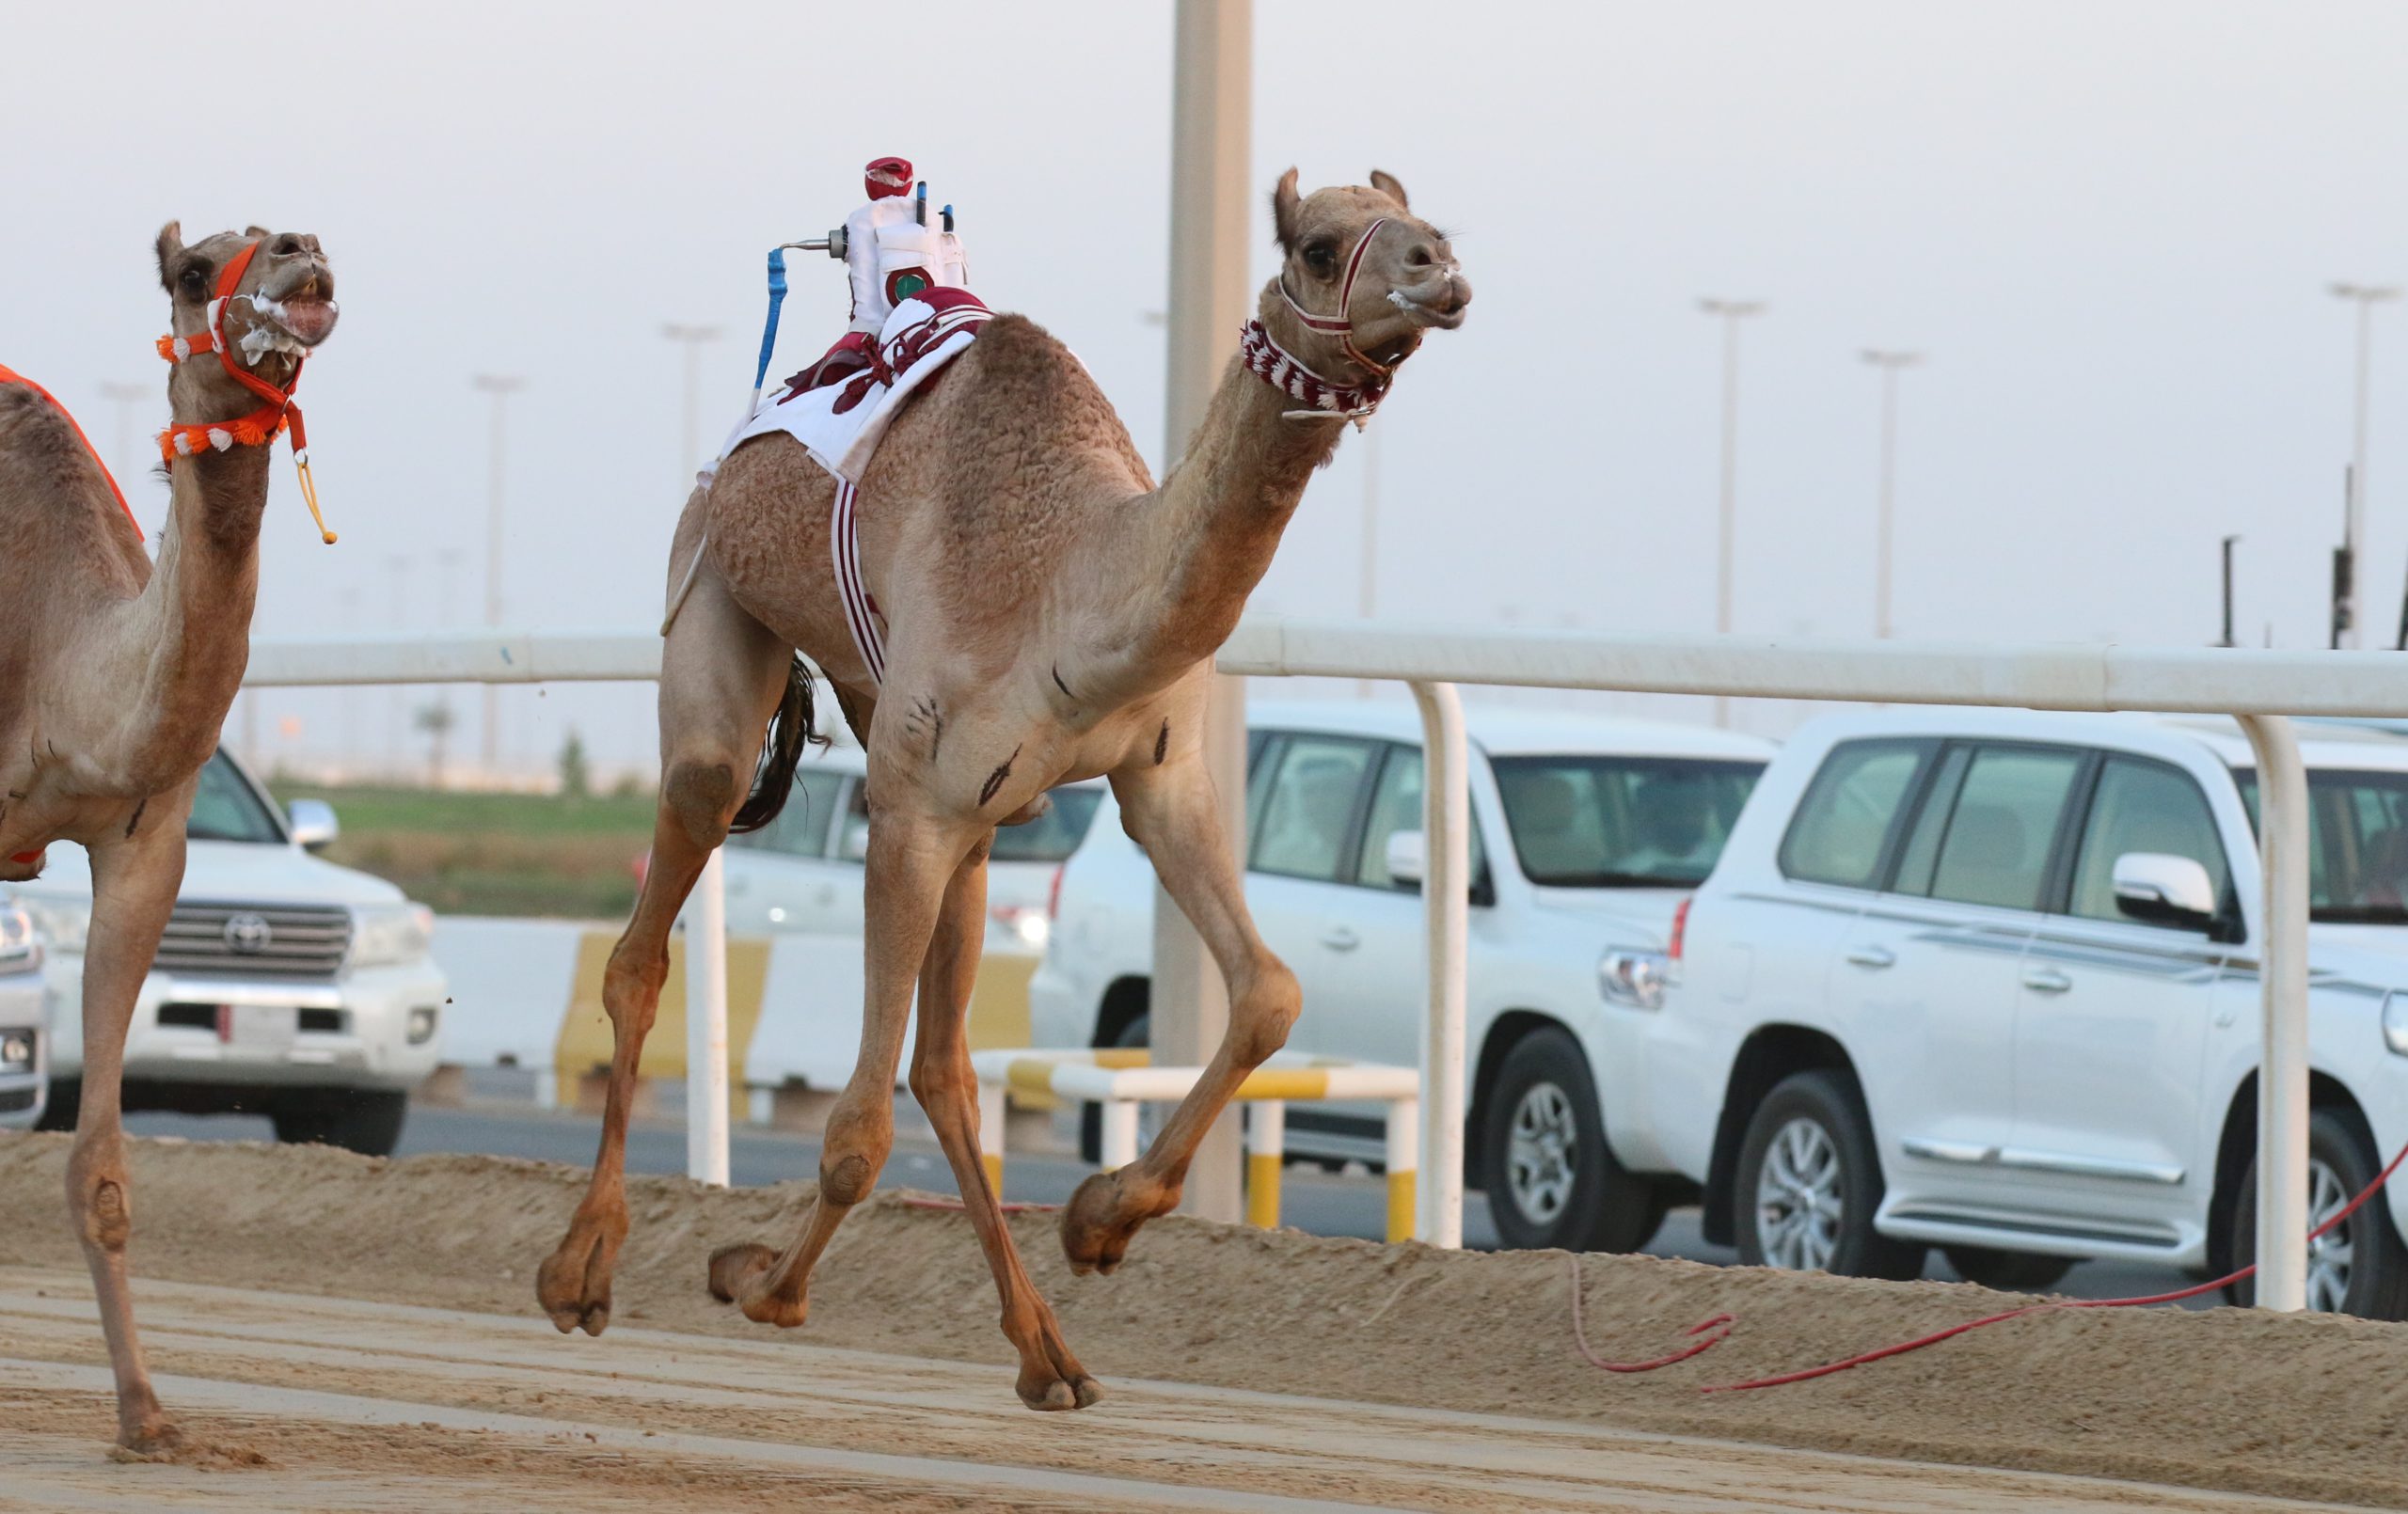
1421,258
286,245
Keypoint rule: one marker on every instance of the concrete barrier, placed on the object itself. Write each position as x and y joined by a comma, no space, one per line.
528,994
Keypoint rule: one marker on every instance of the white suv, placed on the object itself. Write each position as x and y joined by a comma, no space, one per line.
22,1071
803,871
284,985
1600,825
1987,980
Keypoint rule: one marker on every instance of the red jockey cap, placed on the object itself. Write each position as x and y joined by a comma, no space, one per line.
887,177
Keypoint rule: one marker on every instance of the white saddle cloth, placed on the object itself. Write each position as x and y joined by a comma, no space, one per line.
840,423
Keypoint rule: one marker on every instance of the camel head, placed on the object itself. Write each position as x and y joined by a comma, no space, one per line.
1405,279
280,307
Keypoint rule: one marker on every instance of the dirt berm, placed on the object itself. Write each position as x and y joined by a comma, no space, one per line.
2304,1406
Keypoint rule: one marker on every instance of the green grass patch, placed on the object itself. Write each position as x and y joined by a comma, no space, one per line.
492,854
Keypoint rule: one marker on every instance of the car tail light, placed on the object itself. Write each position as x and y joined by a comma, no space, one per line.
1680,927
1053,896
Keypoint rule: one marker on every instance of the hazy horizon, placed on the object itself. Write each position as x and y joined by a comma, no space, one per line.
2111,230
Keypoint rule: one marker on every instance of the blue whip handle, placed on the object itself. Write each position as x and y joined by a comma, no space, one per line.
769,332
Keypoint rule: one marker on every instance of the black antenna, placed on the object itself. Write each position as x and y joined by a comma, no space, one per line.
2344,564
2227,639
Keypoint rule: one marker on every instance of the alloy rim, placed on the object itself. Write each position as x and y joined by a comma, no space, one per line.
1541,1156
2328,1255
1799,1202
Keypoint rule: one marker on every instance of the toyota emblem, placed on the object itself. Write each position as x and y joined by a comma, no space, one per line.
248,934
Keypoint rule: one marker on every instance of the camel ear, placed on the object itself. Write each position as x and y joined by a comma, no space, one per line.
1285,204
259,234
171,246
1386,184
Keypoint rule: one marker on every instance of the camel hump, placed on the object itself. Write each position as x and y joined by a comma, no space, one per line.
1019,368
49,473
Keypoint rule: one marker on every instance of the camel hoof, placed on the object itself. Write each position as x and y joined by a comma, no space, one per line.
1089,1392
732,1266
153,1437
1100,1222
574,1289
741,1275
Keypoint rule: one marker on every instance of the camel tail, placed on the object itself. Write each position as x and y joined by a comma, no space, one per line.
789,729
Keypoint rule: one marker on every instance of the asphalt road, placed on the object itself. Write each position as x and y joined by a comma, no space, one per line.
1321,1203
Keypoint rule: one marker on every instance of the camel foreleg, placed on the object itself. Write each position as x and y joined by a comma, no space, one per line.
1173,814
134,891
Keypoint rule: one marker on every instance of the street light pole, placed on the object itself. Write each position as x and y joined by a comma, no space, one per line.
1889,362
695,338
1731,312
124,396
2366,297
501,386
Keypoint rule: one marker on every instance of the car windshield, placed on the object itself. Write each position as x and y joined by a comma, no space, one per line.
1054,837
2357,850
1580,821
226,808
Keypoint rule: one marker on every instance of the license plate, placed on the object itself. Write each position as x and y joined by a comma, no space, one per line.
257,1028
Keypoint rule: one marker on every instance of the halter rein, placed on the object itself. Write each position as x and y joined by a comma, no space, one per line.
258,428
1288,373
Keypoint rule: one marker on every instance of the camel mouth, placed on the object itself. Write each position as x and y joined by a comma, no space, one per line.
292,325
1443,308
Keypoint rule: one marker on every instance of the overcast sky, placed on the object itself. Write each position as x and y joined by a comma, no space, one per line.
2111,226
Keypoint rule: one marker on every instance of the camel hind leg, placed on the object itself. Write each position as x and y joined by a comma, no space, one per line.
947,1088
722,675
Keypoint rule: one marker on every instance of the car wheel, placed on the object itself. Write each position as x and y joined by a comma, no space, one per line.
1809,1184
368,1120
2011,1271
2361,1268
1136,1034
1551,1179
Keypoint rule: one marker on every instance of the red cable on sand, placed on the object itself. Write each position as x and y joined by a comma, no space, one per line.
1580,1337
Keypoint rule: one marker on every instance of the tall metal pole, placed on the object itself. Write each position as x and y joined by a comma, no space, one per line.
707,1108
1212,109
397,731
125,397
1731,312
1889,362
695,338
2353,536
501,386
1369,581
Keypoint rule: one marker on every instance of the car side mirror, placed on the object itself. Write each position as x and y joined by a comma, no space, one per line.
2160,889
1408,858
313,823
854,846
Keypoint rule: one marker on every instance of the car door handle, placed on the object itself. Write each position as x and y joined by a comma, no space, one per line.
2046,981
1874,957
1341,938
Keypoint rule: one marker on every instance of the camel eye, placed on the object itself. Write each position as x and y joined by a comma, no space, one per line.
1320,258
195,277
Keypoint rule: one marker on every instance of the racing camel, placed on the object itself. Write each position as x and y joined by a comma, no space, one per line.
1051,615
116,675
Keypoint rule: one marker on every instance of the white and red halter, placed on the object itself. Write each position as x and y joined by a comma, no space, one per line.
259,427
1291,376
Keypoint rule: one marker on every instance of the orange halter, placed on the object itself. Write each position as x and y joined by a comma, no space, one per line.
10,375
259,427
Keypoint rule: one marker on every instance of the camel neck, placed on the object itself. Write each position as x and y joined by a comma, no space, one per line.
193,621
1218,518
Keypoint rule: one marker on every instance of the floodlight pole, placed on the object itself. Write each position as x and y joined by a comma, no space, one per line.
1731,312
1889,362
2352,631
1211,106
501,387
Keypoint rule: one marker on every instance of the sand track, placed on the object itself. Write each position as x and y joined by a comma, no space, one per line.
367,1327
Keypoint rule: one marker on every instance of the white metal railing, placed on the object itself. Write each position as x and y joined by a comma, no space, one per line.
2259,687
